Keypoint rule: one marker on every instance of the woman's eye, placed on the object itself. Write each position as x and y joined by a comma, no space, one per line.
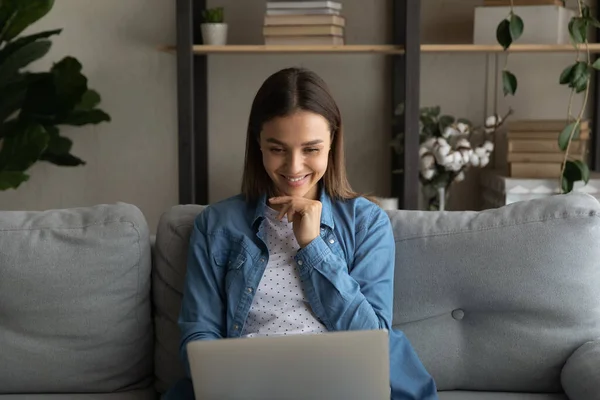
276,150
311,150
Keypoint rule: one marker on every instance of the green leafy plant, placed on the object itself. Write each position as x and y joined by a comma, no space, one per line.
575,76
213,15
508,31
35,106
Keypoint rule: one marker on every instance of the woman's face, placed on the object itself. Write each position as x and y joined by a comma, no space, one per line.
295,151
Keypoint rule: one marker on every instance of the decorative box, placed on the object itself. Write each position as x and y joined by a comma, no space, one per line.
498,190
543,24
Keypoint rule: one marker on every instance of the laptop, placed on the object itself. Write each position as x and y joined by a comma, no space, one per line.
349,365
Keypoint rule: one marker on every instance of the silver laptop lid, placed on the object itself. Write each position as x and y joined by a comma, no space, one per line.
351,365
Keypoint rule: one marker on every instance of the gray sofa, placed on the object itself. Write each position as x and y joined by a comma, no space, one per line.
502,304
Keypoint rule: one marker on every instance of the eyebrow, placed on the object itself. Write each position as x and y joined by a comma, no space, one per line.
311,143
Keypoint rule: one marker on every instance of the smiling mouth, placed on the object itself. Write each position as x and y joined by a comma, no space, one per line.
296,180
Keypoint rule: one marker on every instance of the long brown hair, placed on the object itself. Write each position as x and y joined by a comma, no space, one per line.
282,94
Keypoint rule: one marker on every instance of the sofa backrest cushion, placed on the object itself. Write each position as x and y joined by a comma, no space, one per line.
75,311
498,300
168,274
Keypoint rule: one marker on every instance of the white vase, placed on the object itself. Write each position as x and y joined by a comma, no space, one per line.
214,34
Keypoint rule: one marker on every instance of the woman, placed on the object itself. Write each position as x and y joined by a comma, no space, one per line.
298,251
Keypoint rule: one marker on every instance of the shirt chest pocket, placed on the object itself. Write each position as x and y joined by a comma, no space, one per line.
232,262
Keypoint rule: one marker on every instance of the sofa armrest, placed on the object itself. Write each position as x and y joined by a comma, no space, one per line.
580,377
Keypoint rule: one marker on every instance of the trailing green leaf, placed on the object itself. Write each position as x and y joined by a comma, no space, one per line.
503,35
516,27
594,22
566,77
576,76
509,82
571,174
570,132
596,64
581,77
584,169
578,29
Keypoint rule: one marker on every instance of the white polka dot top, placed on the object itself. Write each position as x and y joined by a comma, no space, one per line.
279,306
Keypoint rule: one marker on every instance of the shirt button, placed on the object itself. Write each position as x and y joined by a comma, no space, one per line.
331,241
249,290
236,327
300,262
262,260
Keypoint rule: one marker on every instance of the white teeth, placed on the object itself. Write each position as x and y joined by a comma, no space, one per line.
295,179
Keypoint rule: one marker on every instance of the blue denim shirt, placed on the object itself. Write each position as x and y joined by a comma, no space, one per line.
347,272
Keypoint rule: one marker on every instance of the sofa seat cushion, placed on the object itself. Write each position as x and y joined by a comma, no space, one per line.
147,394
462,395
75,301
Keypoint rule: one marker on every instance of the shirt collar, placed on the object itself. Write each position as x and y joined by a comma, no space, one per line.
326,211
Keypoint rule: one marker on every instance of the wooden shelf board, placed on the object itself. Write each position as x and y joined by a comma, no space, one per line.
515,48
380,49
383,49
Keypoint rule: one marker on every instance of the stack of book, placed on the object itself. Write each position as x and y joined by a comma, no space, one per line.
505,3
533,151
304,23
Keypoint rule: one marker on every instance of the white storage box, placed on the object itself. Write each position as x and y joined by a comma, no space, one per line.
543,24
498,190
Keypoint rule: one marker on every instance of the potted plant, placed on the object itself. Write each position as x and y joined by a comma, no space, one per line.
214,29
35,106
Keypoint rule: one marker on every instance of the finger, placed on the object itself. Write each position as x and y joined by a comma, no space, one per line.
283,211
280,200
290,214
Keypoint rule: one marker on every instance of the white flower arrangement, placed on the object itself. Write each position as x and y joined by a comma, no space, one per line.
449,147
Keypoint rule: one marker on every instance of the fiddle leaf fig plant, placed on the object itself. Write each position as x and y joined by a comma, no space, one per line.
575,76
35,106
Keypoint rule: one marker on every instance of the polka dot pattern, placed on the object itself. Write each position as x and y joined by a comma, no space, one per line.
280,306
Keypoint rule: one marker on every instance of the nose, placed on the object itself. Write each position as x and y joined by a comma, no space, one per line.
294,162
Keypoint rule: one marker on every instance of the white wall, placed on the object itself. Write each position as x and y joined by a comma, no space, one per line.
133,158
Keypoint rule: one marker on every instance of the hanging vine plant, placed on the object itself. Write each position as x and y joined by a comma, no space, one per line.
575,76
